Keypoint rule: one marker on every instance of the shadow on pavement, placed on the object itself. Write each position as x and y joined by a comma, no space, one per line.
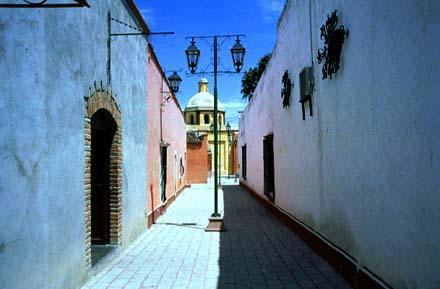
187,225
258,251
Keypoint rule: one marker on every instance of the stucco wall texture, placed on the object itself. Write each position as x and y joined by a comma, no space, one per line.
364,171
173,132
48,60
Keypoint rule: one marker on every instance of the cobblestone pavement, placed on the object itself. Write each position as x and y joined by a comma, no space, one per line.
257,251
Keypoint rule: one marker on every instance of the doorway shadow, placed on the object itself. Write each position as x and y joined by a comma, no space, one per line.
100,251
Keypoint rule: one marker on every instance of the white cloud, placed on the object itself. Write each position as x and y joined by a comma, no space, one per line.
233,105
232,108
148,15
271,9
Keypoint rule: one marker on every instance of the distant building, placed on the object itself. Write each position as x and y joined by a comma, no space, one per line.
199,119
198,161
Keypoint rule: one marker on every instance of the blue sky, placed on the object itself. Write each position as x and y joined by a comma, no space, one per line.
255,18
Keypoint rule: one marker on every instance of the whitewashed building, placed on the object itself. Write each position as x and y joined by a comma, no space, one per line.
360,174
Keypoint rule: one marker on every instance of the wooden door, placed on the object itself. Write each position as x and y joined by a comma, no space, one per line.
163,173
103,131
269,170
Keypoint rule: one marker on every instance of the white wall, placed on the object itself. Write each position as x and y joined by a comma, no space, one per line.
364,171
48,60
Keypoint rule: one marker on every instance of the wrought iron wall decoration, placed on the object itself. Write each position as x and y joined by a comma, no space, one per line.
286,90
110,19
43,4
334,38
182,167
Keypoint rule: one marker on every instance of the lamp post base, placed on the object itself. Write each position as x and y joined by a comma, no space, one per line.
215,224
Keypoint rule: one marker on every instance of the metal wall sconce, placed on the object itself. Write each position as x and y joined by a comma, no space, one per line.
43,4
333,40
306,89
286,91
174,80
111,34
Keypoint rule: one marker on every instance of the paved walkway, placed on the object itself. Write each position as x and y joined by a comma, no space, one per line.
257,251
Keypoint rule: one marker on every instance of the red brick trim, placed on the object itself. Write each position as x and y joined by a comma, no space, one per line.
341,261
160,210
103,99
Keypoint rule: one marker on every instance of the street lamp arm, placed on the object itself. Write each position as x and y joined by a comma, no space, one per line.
189,74
218,36
43,4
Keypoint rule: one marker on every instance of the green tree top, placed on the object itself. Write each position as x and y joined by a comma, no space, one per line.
252,76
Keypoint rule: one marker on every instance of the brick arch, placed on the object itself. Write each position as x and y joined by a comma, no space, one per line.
103,99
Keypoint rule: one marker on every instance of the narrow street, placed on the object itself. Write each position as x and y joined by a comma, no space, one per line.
116,116
257,251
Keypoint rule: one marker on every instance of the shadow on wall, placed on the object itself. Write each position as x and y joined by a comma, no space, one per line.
258,251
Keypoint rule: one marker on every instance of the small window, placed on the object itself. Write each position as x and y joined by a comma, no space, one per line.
206,118
243,162
220,120
191,121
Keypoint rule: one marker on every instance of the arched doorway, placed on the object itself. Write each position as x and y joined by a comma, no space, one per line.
103,128
102,175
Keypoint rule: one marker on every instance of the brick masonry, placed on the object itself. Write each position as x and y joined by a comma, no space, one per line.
103,99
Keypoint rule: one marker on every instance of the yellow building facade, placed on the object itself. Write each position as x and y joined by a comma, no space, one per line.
199,118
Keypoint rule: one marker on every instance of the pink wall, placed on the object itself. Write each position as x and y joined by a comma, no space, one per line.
173,133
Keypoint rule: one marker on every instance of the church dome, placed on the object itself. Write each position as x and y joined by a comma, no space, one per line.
203,100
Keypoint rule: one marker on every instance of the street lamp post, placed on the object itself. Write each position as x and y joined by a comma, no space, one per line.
228,131
192,54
